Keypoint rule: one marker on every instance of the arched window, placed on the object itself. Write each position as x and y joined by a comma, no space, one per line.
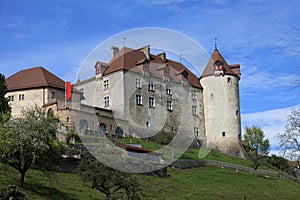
102,128
83,126
119,132
50,113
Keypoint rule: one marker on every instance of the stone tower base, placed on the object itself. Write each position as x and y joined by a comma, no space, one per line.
229,146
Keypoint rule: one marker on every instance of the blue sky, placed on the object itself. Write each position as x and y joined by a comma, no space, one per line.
261,36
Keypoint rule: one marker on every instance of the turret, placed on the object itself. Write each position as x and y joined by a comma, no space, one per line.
220,83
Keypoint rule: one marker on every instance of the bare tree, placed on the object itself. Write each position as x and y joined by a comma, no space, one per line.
289,140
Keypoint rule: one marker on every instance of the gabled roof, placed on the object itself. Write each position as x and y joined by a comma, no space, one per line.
133,59
228,69
33,78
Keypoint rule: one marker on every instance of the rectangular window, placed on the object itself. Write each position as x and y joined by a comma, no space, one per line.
169,105
151,86
81,90
196,131
194,110
194,94
105,85
12,98
21,97
151,102
106,101
138,83
168,90
52,95
138,99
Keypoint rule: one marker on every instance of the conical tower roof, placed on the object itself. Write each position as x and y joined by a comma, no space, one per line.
228,69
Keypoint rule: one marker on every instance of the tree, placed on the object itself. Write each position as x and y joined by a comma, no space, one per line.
289,140
4,106
114,184
26,139
257,146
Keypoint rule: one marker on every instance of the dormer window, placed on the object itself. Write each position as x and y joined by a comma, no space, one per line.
100,67
219,68
219,65
185,74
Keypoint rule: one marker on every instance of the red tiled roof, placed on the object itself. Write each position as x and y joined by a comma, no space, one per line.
33,78
130,59
135,149
228,69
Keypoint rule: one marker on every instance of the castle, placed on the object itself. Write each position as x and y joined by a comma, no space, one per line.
140,94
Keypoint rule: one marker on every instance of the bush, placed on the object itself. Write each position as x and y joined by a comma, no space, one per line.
13,192
278,162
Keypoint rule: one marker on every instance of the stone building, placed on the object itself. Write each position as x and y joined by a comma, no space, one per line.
140,94
151,93
37,86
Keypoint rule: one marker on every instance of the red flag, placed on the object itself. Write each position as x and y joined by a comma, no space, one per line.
68,91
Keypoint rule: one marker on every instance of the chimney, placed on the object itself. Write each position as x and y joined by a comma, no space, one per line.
146,51
114,51
163,57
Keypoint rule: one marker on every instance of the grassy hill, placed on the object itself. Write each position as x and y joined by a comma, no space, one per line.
198,183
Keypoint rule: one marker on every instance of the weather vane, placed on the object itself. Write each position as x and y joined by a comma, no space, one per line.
124,40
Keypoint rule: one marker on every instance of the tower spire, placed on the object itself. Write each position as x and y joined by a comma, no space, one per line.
216,44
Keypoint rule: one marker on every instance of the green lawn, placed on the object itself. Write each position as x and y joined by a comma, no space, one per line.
38,186
216,183
198,183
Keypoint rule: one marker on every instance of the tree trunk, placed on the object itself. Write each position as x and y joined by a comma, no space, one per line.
22,178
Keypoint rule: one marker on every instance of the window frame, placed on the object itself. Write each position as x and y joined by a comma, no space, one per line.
151,86
21,97
151,102
105,84
138,83
169,105
106,101
194,95
168,90
138,99
194,110
196,131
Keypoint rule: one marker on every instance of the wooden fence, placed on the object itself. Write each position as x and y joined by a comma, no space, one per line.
183,164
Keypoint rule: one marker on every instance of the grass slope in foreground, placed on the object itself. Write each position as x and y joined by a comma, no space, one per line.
198,183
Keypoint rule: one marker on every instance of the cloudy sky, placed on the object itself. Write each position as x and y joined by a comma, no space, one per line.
262,36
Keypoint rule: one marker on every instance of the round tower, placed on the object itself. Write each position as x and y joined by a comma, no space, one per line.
220,83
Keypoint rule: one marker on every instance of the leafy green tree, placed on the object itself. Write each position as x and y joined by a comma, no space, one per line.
4,106
257,146
289,140
27,139
114,184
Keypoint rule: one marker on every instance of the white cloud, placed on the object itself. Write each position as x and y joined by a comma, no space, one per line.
256,79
